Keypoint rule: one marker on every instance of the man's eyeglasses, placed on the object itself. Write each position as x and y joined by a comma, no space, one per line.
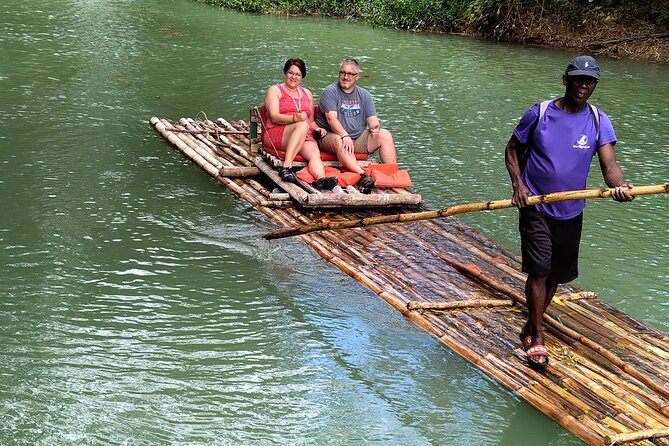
347,74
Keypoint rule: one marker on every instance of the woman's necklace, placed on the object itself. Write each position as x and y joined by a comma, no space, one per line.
298,103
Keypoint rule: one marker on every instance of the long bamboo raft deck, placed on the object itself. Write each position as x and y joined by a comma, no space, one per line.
607,381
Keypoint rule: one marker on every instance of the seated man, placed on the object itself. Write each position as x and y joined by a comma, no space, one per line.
348,124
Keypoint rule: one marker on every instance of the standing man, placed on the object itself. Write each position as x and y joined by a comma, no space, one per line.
551,150
348,124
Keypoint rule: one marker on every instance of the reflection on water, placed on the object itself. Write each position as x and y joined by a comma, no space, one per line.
140,303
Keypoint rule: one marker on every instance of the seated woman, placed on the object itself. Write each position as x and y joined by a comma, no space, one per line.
290,125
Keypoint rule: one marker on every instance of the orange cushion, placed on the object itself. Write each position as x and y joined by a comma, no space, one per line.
348,179
388,175
345,178
306,176
385,175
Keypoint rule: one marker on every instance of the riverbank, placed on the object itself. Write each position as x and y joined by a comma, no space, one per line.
622,29
615,35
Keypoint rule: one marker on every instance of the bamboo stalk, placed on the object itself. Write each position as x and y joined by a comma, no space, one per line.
276,204
330,200
205,131
279,196
634,342
366,271
430,248
204,151
455,235
464,208
227,143
516,295
243,139
542,393
634,436
638,416
188,151
219,149
239,171
539,380
652,413
596,372
474,303
296,192
653,370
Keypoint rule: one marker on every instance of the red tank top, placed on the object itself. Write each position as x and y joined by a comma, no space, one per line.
289,105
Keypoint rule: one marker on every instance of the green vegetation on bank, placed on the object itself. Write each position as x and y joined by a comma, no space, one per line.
499,19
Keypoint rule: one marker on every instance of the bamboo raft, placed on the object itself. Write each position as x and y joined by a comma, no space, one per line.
607,381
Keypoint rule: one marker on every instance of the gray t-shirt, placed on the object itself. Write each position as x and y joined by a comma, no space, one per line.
353,108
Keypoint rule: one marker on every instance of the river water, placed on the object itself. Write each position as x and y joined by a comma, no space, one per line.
139,304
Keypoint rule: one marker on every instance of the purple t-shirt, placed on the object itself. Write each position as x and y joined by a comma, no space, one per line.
563,148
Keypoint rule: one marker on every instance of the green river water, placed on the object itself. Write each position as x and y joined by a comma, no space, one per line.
139,304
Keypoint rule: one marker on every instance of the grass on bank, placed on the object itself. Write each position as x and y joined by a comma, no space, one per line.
499,19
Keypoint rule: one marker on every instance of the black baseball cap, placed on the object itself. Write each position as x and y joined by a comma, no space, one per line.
583,66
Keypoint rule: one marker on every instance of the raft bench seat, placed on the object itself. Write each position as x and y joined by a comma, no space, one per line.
275,157
269,161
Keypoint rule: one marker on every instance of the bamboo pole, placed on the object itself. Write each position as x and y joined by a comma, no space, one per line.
276,203
295,191
230,150
281,196
539,392
632,342
464,208
203,151
596,372
226,143
185,148
239,171
205,131
226,125
638,417
218,149
474,303
454,232
614,439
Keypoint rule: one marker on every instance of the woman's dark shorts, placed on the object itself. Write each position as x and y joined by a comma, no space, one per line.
550,246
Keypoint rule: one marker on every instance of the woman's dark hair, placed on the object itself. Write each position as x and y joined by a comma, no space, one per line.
299,63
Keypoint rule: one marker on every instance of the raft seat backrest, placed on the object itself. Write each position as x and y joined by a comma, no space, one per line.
258,116
255,125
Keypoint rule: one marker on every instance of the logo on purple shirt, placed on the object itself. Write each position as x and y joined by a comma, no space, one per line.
582,142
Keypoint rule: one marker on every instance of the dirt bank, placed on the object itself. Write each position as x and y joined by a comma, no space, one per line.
611,36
